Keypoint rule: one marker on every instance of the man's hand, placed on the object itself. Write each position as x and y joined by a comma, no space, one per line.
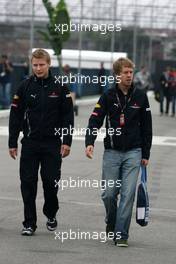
13,152
89,151
144,162
65,150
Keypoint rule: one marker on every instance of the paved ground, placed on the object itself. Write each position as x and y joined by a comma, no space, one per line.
81,208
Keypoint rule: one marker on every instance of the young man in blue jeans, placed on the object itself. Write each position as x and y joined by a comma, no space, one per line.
127,145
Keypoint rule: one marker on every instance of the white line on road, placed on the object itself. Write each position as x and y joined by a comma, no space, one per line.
159,210
157,140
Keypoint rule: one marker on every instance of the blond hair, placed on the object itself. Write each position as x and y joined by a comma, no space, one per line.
120,63
41,54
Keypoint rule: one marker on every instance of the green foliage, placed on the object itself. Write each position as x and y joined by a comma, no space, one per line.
49,8
58,15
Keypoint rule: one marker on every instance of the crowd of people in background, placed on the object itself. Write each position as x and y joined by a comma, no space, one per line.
166,91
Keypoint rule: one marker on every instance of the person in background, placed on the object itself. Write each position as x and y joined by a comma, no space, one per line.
72,87
142,79
164,90
173,90
6,69
25,73
101,73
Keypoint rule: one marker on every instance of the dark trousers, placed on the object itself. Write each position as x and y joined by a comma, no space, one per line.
168,99
161,101
173,99
45,155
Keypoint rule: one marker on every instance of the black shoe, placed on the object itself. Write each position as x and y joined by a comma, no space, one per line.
76,110
51,224
27,231
110,231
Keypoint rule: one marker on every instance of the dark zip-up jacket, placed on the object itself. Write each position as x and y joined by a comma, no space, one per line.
137,129
41,108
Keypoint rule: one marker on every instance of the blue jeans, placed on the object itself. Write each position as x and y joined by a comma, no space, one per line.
124,166
5,94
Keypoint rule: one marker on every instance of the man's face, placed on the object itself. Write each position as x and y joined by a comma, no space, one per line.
126,76
40,67
66,69
144,70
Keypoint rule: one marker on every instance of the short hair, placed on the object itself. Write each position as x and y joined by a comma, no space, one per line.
66,68
120,63
41,54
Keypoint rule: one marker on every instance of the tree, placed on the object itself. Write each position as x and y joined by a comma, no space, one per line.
58,18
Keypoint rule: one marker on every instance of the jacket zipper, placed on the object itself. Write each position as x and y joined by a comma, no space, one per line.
28,124
42,108
123,128
26,117
109,126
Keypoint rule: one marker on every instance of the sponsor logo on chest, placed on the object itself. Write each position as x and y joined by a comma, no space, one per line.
53,95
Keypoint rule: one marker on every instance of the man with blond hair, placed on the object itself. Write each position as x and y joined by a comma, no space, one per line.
127,145
43,109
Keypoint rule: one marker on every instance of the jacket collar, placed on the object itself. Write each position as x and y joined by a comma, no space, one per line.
120,93
46,80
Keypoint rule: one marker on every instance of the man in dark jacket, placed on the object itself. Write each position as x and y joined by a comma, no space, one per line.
127,145
172,81
165,90
43,110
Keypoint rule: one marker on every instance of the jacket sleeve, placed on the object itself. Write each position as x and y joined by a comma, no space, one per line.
16,116
67,116
146,129
96,120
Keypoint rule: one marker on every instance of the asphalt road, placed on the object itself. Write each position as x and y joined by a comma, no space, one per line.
81,209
